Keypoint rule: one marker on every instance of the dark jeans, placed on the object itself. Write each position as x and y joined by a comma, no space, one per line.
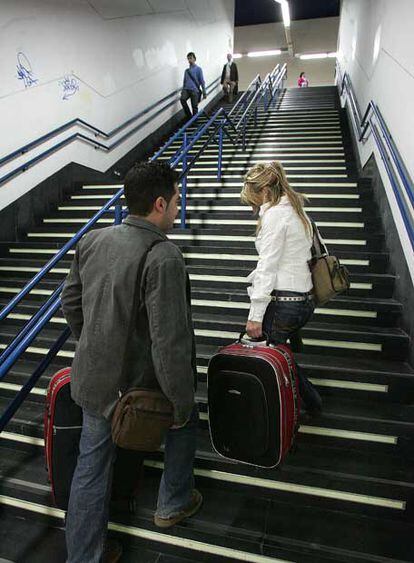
195,99
87,516
282,321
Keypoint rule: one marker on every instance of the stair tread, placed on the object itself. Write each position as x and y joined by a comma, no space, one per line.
245,519
319,326
342,364
389,419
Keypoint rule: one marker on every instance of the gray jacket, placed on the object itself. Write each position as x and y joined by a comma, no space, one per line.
130,334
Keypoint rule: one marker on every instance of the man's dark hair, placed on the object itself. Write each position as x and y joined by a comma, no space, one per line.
191,54
145,182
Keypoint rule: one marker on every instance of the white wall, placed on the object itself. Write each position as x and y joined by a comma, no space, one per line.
119,56
376,49
309,36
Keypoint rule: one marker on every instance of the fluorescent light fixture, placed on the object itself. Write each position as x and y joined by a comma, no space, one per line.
285,12
237,56
314,56
264,53
333,55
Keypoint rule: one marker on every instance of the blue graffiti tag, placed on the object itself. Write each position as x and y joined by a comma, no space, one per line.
24,70
70,86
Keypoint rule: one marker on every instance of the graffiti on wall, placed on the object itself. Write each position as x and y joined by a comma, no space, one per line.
70,85
24,70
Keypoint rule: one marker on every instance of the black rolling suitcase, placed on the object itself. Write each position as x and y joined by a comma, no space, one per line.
62,430
253,403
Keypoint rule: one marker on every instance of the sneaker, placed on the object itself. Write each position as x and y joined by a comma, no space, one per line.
192,507
112,552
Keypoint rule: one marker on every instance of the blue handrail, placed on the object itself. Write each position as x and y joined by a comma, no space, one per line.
402,184
252,87
30,331
239,105
53,261
80,136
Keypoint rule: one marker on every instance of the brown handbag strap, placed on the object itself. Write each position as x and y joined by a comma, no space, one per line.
136,301
319,248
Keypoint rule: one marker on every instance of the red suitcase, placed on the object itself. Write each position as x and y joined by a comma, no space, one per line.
253,402
62,430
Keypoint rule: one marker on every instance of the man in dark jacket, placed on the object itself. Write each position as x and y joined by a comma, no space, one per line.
229,78
131,333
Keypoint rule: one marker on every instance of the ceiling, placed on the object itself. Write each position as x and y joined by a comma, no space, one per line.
255,12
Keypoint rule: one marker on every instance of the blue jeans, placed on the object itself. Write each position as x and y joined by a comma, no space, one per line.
282,321
88,510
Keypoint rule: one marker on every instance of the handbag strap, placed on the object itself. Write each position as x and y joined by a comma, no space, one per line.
193,80
135,304
319,248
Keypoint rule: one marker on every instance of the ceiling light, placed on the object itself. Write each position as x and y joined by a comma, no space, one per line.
237,56
332,55
314,56
264,53
285,12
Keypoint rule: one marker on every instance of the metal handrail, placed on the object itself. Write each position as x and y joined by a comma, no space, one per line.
226,119
43,316
242,101
392,148
258,93
180,132
53,261
80,136
256,81
401,183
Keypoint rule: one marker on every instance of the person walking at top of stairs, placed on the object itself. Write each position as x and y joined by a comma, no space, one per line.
229,78
193,86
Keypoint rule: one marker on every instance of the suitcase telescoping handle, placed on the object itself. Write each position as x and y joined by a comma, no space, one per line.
254,341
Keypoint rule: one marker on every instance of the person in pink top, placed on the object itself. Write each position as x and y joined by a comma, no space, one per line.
303,82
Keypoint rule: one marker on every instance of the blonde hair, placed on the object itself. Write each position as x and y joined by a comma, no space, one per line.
267,182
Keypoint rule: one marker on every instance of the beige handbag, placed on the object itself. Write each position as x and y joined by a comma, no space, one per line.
329,277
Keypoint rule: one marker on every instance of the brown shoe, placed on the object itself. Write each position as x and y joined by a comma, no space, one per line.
192,507
112,552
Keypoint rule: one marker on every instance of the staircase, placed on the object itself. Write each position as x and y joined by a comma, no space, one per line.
347,493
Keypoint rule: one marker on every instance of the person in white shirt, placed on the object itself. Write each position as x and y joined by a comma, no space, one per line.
281,285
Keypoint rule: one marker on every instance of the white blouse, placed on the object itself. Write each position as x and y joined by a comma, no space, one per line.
284,248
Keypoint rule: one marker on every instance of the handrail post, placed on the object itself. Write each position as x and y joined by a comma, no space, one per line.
184,183
220,152
255,116
244,134
264,99
118,214
270,92
275,96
